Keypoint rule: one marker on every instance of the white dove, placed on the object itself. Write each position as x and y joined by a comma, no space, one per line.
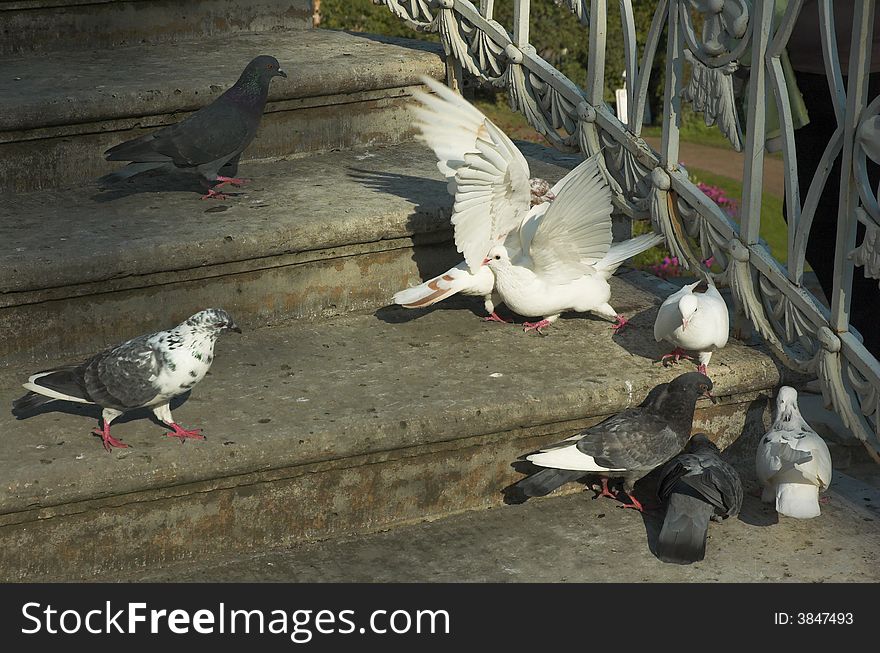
481,283
494,196
489,179
793,463
565,255
693,321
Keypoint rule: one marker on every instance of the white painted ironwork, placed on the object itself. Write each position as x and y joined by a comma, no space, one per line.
734,37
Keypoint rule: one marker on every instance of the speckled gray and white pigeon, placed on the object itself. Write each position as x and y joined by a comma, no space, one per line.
208,139
697,486
626,446
144,372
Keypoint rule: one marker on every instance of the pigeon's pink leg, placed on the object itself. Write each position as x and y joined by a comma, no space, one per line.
493,317
231,180
182,433
605,491
825,500
701,368
108,440
213,194
618,326
674,356
635,505
536,326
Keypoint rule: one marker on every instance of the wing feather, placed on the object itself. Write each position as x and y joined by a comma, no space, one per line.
575,233
487,175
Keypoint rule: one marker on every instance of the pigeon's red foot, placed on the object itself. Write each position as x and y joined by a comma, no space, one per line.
619,325
674,356
536,326
701,368
231,180
108,440
494,317
605,492
825,500
635,504
183,434
213,194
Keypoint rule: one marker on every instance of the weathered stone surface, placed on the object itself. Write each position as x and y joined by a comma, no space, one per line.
335,426
41,25
60,111
573,539
112,262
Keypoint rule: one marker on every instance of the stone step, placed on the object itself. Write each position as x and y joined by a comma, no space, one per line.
83,268
54,25
60,111
588,541
338,426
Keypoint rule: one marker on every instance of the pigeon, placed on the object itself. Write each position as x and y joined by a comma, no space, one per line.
144,372
625,446
793,463
693,321
697,486
481,283
567,246
208,139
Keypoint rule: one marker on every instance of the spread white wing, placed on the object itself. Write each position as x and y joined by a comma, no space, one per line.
486,173
575,232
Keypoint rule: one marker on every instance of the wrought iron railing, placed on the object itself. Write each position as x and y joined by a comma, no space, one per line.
728,37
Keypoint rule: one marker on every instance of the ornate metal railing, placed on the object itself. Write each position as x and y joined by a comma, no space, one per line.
733,35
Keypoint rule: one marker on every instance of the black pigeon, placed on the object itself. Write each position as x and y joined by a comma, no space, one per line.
626,446
697,486
208,139
144,372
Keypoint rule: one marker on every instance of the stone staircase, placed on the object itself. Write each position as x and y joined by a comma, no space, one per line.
333,413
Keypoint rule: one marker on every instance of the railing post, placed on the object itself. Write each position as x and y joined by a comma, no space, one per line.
521,23
596,67
672,98
856,97
753,175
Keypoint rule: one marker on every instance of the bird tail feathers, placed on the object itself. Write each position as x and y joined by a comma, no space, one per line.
542,483
433,290
30,401
620,252
64,383
129,171
799,500
683,536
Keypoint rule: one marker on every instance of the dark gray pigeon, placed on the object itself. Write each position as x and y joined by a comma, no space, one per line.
626,446
208,139
144,372
697,486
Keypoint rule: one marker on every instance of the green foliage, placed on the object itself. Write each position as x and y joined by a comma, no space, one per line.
555,32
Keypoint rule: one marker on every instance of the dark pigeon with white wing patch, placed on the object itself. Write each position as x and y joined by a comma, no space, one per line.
626,446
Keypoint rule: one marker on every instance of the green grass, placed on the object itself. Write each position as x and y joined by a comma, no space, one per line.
773,227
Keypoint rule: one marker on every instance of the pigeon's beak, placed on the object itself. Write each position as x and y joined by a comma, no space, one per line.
234,327
281,73
708,394
486,261
684,323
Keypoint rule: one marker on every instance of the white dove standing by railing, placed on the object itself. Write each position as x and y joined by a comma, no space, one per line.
562,251
793,463
693,321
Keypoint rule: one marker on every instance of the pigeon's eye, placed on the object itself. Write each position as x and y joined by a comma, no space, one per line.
498,257
269,66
